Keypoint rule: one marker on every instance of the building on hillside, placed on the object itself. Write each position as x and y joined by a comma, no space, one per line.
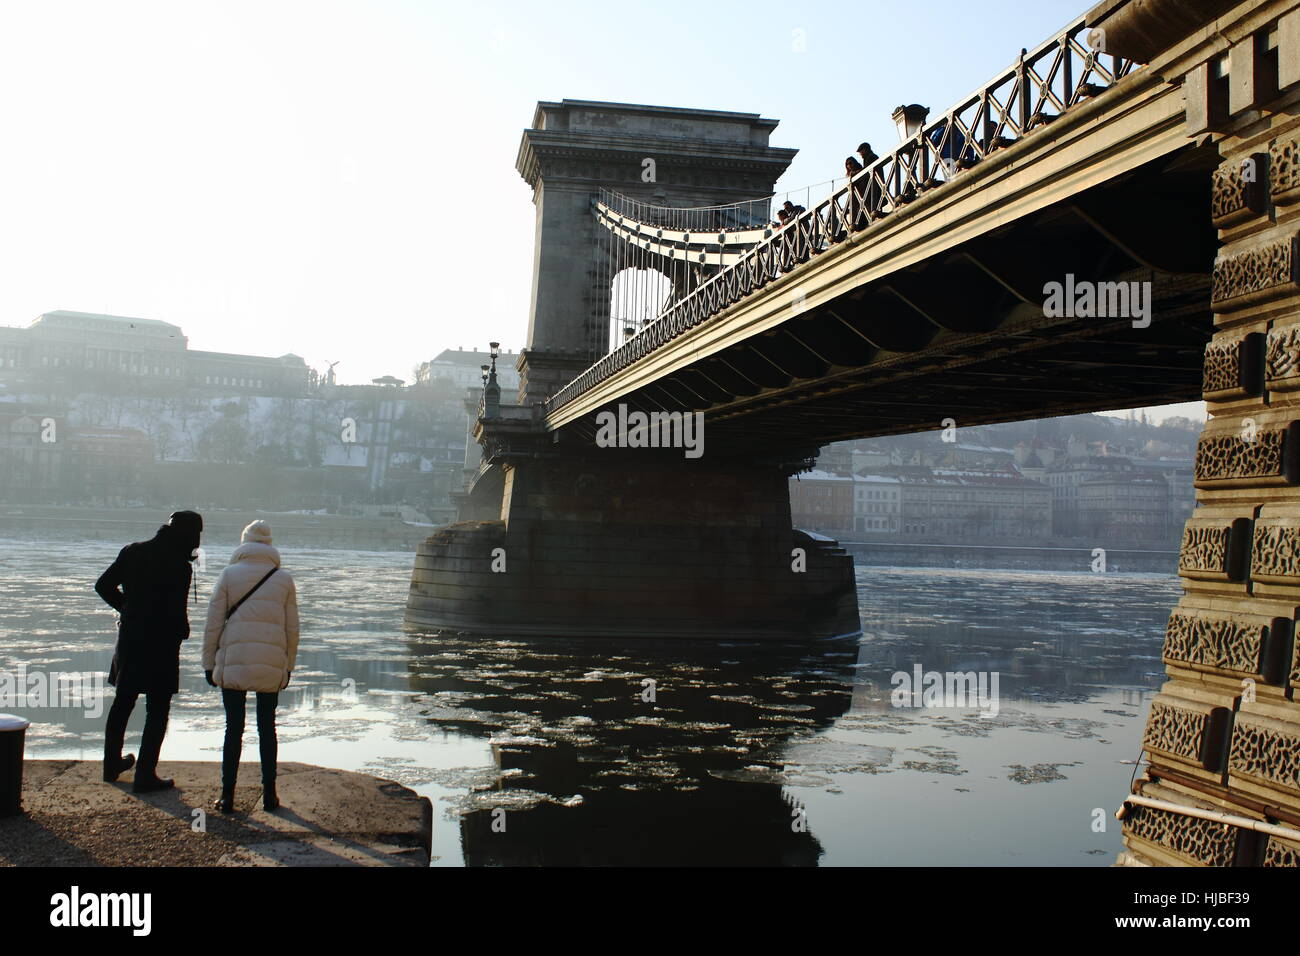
87,341
877,504
1033,458
43,460
836,459
1179,474
871,459
29,466
973,505
919,503
1087,486
462,370
465,368
105,465
130,352
405,445
1124,506
973,454
285,376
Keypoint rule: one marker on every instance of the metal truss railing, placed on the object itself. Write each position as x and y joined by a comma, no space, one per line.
1041,85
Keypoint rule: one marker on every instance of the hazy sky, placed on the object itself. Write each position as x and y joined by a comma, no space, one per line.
337,179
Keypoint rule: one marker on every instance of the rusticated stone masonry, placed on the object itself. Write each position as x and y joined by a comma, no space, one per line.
1281,853
1177,731
1222,367
1229,457
1282,371
1195,840
1284,163
1238,191
1224,732
1205,549
1254,275
1217,641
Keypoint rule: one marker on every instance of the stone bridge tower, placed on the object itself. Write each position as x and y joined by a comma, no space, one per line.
656,154
557,539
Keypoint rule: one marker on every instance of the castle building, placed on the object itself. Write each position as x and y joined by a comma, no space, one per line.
106,348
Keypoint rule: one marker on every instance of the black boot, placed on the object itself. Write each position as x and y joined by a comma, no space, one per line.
115,736
226,802
114,767
267,748
151,784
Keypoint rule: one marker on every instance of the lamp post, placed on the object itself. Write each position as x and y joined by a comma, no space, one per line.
909,120
491,390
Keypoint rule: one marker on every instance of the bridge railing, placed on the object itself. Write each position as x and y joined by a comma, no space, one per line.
1041,85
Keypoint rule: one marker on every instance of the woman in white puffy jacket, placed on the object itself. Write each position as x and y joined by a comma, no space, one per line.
252,647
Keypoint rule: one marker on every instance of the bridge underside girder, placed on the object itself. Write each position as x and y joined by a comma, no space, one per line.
964,334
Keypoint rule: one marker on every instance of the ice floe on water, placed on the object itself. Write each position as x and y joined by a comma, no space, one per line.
520,725
1038,773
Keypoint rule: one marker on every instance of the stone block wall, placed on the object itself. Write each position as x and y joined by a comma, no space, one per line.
1224,732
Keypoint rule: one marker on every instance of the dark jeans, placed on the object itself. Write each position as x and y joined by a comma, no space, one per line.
235,702
158,706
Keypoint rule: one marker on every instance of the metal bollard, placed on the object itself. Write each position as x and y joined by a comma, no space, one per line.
13,730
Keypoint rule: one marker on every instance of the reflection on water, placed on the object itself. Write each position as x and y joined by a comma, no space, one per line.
652,754
568,752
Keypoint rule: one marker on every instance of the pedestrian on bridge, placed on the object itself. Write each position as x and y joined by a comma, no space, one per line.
853,216
871,200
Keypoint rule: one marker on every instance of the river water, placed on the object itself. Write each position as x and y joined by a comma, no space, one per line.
574,752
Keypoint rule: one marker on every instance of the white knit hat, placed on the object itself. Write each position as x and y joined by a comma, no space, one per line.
258,531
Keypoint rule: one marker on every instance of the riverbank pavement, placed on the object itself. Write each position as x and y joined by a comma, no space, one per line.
327,818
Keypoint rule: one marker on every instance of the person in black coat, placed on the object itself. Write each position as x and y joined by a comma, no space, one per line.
149,586
871,205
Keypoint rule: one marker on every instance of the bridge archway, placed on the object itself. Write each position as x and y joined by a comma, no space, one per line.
637,294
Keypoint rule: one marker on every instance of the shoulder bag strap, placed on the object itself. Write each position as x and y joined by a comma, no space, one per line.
250,593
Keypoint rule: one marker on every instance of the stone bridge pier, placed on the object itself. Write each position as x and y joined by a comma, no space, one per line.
621,544
1223,735
566,539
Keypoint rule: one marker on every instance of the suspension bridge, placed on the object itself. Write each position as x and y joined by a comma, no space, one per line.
1110,222
818,328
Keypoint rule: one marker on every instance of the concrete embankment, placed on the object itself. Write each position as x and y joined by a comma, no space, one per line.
221,528
327,818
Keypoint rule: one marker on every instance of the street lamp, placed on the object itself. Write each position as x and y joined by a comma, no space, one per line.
909,120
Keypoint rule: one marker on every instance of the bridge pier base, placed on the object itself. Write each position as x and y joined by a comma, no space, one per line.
626,545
